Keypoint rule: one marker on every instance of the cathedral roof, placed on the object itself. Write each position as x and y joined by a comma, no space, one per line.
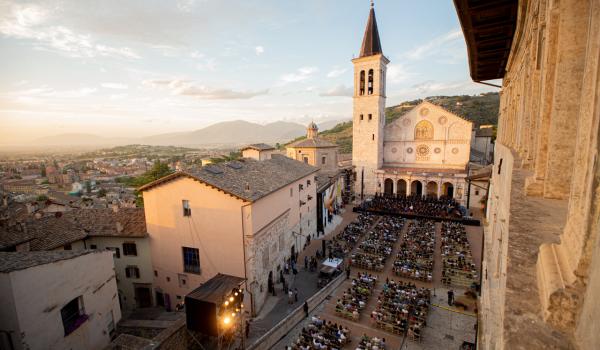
315,142
371,44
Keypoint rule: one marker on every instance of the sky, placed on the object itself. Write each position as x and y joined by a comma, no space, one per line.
122,68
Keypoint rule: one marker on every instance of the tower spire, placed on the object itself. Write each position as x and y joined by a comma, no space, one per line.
371,44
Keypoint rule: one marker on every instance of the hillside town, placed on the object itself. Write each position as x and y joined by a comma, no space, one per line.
421,225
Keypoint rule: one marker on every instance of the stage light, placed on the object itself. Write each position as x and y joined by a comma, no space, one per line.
242,305
226,320
231,299
226,303
233,314
236,294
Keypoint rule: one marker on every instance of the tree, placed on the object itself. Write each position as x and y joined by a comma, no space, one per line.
102,193
41,198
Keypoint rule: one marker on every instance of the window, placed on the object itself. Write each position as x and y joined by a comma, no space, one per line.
370,86
370,116
191,260
168,279
68,246
300,187
306,160
307,183
93,246
362,117
116,251
187,211
500,166
73,315
477,192
373,137
323,160
132,272
129,248
155,273
178,297
182,280
362,82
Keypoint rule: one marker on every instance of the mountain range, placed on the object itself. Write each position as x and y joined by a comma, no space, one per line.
228,133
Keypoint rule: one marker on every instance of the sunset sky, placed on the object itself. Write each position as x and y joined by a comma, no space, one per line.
123,68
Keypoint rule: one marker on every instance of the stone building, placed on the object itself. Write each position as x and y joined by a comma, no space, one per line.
541,279
258,151
424,152
57,300
241,218
314,150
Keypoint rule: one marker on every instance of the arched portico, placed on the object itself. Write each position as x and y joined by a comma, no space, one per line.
416,188
432,189
448,190
401,187
388,187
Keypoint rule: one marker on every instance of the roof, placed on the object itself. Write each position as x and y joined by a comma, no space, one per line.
54,231
371,44
216,288
246,179
15,261
390,169
488,27
315,142
484,132
107,222
259,147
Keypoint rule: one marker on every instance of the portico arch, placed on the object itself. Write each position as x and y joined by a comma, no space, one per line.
388,187
416,188
401,187
448,190
432,189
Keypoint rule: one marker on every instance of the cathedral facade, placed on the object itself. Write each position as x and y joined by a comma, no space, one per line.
424,152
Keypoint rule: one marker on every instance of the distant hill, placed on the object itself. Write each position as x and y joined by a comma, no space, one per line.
224,134
480,109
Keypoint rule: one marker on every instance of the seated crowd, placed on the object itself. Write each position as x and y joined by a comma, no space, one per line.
371,343
458,266
402,308
415,258
377,247
356,297
320,334
414,205
346,240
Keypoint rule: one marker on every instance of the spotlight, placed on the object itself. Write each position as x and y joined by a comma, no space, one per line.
236,294
226,320
233,314
231,299
226,303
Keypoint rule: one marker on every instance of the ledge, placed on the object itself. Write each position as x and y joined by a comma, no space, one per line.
533,222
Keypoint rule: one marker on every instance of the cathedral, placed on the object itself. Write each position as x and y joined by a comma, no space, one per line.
425,152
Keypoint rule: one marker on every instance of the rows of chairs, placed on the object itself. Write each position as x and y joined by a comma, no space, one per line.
347,239
354,299
416,255
457,259
321,335
373,252
402,308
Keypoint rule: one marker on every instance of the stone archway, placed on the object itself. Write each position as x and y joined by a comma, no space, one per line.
448,190
432,188
416,188
401,187
388,187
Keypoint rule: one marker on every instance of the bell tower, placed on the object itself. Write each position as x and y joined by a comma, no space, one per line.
368,119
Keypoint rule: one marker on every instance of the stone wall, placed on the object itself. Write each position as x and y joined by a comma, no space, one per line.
540,285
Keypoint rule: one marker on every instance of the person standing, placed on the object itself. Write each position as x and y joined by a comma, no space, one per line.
305,262
295,295
348,272
290,297
450,297
247,329
305,307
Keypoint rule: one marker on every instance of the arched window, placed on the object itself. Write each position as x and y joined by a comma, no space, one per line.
424,130
370,87
362,82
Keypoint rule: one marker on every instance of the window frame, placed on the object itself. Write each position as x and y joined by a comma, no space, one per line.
187,209
189,268
127,252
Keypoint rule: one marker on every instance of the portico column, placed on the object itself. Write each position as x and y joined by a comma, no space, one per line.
439,188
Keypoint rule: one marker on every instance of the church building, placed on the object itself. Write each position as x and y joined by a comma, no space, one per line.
424,152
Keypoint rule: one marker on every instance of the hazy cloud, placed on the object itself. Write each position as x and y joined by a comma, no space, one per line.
27,22
117,86
449,44
340,90
299,75
259,50
184,87
336,72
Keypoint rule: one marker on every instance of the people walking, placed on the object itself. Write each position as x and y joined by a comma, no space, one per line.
305,307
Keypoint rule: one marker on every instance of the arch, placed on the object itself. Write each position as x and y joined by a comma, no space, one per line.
424,130
362,83
416,188
448,190
432,188
388,187
370,86
401,187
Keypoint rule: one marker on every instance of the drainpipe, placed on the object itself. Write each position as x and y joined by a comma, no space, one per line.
244,251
